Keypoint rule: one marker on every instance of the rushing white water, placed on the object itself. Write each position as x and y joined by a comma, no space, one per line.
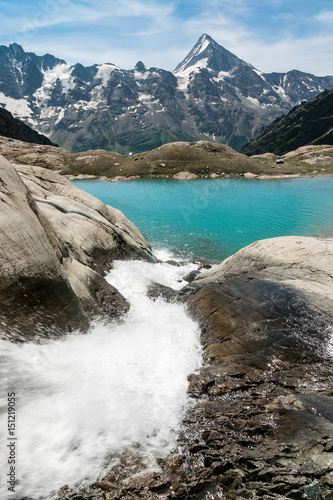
85,398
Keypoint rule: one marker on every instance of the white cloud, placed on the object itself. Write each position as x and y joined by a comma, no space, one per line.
291,53
325,16
60,12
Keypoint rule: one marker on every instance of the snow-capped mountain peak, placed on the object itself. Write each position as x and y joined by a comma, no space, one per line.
193,57
217,57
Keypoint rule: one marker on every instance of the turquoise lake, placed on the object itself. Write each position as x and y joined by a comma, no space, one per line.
213,218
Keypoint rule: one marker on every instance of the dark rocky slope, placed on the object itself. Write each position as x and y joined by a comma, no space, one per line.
15,129
260,424
310,123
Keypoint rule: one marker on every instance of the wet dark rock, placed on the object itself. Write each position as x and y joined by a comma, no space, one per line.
156,290
205,266
172,263
205,263
312,491
191,276
96,294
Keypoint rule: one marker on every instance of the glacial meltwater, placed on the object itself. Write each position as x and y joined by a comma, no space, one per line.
213,218
83,400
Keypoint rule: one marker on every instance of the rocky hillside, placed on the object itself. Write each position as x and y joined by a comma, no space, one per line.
16,129
310,123
180,160
212,95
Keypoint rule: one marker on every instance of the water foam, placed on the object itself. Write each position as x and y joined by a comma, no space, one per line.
85,398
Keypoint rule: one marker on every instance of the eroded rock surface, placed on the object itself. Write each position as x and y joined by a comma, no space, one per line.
264,415
85,228
57,243
34,288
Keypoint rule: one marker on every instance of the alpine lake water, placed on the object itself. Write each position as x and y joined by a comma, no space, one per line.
214,218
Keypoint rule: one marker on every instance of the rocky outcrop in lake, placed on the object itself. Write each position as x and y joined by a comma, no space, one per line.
57,243
260,423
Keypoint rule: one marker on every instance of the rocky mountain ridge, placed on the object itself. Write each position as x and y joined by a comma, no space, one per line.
15,129
310,123
212,95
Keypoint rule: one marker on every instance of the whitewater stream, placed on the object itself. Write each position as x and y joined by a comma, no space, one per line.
88,397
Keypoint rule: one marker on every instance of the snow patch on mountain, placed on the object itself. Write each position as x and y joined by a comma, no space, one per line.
147,99
281,92
184,76
253,100
259,73
19,108
201,48
85,105
104,73
48,112
143,76
18,66
61,72
60,116
250,102
221,76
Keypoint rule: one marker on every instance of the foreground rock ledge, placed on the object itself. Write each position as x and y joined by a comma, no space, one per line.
56,244
260,422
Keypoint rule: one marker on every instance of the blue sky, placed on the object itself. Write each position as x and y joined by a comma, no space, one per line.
273,35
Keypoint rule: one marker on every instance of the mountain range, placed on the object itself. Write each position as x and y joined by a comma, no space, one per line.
211,95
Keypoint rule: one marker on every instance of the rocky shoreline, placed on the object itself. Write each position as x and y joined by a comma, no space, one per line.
180,160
